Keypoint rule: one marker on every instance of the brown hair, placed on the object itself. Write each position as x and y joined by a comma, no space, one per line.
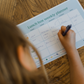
11,70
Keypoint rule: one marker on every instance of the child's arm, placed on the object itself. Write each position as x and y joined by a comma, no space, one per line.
76,67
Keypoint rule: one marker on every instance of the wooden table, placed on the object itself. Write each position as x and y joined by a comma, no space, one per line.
20,10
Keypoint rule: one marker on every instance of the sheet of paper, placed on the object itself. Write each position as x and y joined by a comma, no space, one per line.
42,30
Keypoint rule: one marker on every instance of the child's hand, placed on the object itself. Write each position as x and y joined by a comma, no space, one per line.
76,67
68,41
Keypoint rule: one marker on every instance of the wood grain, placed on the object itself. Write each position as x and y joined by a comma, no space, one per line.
22,10
7,8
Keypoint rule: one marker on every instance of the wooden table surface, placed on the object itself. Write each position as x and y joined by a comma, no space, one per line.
20,10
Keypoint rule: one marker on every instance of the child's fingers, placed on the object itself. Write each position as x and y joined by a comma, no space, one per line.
60,34
63,28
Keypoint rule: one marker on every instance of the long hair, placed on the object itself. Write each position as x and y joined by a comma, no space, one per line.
11,70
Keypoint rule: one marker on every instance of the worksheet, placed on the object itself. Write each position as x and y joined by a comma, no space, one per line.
42,30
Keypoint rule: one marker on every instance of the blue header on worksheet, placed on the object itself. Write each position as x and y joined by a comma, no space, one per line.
50,14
